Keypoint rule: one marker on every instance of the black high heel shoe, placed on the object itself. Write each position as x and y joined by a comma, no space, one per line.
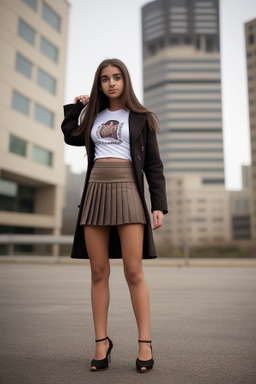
148,364
103,363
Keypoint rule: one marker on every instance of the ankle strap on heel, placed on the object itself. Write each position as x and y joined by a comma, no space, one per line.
106,338
144,341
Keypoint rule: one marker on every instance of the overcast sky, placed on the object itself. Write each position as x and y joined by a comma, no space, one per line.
100,29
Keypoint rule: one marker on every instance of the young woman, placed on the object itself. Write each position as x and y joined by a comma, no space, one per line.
113,221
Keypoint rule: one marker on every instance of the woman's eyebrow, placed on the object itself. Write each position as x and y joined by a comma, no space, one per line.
115,74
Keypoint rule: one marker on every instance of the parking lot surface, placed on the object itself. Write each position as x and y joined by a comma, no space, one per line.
203,325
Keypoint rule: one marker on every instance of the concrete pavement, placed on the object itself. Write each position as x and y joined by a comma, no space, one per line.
203,325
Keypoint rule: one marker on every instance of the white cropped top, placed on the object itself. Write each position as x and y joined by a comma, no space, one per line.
110,134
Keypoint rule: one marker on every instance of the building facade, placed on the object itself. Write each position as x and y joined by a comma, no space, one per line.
240,208
33,59
73,194
250,43
198,214
182,85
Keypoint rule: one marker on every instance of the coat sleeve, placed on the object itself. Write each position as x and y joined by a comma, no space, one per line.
70,124
154,173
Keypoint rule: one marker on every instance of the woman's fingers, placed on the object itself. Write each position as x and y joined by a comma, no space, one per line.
158,219
82,98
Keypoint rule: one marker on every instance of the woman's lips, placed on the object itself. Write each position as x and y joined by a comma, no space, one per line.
112,91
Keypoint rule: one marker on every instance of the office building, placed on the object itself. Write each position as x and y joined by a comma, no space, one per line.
73,194
199,214
240,208
182,85
250,43
33,59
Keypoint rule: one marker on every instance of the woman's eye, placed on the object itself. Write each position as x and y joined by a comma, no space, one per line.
117,77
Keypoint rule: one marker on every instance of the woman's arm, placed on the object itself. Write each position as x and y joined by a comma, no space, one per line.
70,122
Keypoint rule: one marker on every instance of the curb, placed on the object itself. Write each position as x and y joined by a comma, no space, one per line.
161,262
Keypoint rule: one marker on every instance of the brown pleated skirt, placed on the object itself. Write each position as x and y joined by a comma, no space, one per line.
112,197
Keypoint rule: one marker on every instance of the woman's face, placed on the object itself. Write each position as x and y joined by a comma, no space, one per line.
112,82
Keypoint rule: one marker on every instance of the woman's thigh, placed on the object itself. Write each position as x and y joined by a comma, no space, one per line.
131,237
97,244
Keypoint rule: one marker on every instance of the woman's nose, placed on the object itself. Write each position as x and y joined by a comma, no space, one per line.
112,82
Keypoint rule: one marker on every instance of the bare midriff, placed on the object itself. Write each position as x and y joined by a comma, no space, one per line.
112,159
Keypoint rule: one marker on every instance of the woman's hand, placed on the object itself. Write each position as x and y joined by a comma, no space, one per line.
158,219
83,98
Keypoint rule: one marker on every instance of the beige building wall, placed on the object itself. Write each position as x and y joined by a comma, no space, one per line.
250,39
198,213
33,43
240,209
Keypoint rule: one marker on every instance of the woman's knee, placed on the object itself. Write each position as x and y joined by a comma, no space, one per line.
134,275
99,273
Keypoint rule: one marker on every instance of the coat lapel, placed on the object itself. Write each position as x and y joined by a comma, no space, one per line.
136,123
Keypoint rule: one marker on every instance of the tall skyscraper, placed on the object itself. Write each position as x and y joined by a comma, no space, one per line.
32,77
250,42
182,85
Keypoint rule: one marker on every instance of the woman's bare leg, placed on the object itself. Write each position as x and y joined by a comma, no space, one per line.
131,236
97,241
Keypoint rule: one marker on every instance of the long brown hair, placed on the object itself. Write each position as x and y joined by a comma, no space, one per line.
98,101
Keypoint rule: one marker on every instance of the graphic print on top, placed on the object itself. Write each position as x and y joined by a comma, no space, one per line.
111,136
111,129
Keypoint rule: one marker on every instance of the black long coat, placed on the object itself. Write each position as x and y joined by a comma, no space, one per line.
145,160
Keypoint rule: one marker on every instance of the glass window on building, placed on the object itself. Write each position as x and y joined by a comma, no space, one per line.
44,116
18,247
202,239
26,32
213,181
51,17
152,49
23,65
217,219
178,3
198,43
46,81
20,103
49,49
15,197
209,44
154,24
42,156
251,39
31,3
18,146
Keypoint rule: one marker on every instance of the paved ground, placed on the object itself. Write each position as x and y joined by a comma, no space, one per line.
203,325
